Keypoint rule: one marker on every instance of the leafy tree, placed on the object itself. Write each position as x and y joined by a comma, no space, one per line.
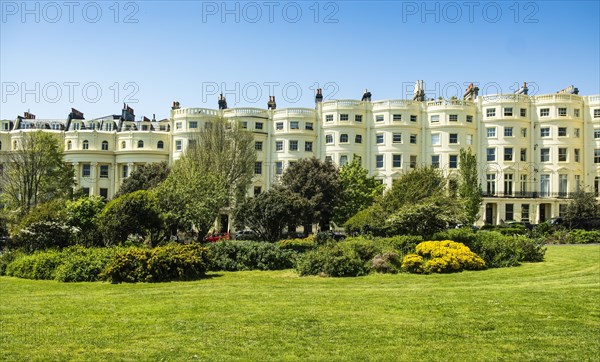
368,221
83,214
469,188
413,187
359,191
145,177
268,213
136,213
583,206
35,172
319,184
227,151
190,198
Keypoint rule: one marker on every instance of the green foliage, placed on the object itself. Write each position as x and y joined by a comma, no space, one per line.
530,249
359,191
145,178
135,213
370,221
497,250
583,206
402,244
442,257
413,187
190,198
319,184
43,235
268,213
40,265
79,264
299,245
7,257
387,263
464,236
236,255
163,263
83,214
469,188
578,236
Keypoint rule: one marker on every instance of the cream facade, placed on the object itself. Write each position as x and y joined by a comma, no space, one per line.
533,151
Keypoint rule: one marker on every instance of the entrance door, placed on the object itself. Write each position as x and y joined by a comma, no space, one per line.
542,212
224,223
489,214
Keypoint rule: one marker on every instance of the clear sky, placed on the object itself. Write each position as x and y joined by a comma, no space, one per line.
94,56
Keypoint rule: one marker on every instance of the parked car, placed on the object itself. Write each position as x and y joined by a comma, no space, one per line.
246,235
214,237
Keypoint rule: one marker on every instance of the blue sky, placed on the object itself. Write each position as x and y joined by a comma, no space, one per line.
93,56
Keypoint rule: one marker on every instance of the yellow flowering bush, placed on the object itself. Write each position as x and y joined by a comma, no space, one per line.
444,256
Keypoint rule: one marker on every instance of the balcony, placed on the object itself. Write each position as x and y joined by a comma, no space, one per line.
529,195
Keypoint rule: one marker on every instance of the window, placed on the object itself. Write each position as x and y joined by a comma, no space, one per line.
491,183
294,125
358,118
491,154
86,145
125,171
104,192
343,138
597,113
523,154
194,124
104,145
562,185
470,119
258,145
413,118
87,170
358,138
178,125
413,161
278,168
396,161
258,168
0,145
469,139
397,117
308,126
524,212
562,112
596,133
523,132
160,145
544,185
576,112
258,126
508,131
327,158
379,118
329,118
379,161
140,144
490,112
69,145
562,155
328,139
545,132
562,131
508,154
435,138
123,145
178,145
544,112
435,161
397,138
293,145
435,118
279,126
413,139
577,182
545,155
508,184
379,138
523,112
453,161
453,118
308,146
104,171
76,126
597,156
597,186
453,138
508,112
576,132
509,212
577,155
343,160
523,184
343,117
278,145
257,190
491,132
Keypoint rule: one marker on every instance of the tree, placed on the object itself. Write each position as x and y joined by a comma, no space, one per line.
319,184
469,188
35,172
582,207
190,198
227,151
145,177
413,187
268,213
136,213
358,191
83,214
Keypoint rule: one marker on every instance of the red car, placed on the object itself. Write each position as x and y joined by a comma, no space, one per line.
214,237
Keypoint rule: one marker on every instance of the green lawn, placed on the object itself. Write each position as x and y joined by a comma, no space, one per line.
538,311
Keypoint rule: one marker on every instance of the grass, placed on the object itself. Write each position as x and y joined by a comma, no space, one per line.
538,311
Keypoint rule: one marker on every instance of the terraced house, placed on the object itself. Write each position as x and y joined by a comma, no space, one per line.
533,151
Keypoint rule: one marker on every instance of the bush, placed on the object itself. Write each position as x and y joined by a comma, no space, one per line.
442,257
298,245
531,250
236,255
7,257
579,236
388,262
83,264
496,249
465,236
403,244
41,265
44,235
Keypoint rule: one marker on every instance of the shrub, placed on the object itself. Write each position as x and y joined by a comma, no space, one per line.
298,245
41,265
235,255
83,264
579,236
403,244
496,249
43,235
442,257
532,250
386,263
465,236
7,257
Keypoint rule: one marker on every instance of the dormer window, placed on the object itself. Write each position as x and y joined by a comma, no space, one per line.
85,145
